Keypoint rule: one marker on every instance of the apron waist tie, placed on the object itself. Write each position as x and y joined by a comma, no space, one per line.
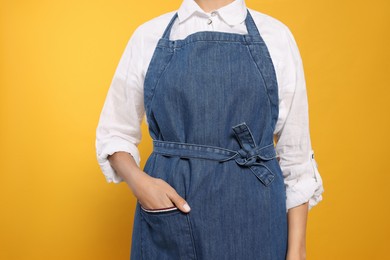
249,155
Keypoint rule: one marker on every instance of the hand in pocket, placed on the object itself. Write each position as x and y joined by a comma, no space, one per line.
155,193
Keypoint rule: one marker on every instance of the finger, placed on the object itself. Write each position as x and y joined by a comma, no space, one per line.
179,202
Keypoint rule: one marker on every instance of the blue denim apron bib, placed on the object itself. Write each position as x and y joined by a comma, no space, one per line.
211,101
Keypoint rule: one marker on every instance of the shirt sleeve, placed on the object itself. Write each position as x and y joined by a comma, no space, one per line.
119,126
293,145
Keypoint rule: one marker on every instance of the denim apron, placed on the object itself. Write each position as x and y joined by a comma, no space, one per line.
211,101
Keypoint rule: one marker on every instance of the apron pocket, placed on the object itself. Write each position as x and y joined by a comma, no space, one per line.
166,234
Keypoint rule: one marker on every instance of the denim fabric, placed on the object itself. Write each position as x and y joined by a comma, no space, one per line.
211,101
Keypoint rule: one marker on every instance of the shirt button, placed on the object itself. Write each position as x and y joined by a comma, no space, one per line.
213,13
209,21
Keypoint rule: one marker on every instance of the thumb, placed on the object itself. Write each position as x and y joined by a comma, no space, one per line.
179,201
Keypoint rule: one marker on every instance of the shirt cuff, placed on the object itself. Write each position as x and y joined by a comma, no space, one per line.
110,147
308,188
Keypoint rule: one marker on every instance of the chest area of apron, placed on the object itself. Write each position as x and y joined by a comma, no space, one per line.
203,88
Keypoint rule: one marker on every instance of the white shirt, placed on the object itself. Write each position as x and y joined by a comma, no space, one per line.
119,126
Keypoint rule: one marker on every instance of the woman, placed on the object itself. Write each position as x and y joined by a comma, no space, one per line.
218,83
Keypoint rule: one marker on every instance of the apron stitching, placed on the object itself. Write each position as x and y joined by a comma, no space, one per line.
162,143
153,90
191,235
262,76
142,237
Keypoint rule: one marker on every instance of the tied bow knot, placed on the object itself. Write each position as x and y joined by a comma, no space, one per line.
248,158
253,156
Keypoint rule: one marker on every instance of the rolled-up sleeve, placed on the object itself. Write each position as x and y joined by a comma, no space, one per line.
302,179
119,126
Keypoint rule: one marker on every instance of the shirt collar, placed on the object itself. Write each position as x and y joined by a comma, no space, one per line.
233,13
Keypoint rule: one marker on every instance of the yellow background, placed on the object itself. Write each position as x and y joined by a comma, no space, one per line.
56,63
